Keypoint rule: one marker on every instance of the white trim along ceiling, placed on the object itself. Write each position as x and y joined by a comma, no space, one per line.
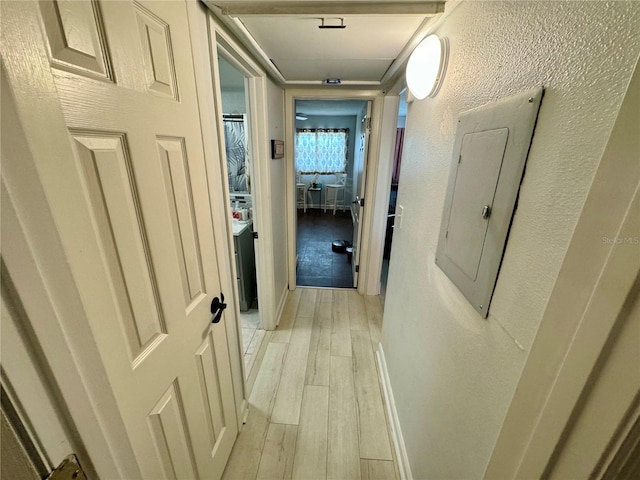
305,43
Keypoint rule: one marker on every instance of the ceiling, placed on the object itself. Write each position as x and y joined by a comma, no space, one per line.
371,50
363,51
338,108
232,80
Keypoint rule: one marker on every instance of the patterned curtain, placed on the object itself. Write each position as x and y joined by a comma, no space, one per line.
235,139
321,150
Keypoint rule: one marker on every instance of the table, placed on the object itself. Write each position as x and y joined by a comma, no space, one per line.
310,190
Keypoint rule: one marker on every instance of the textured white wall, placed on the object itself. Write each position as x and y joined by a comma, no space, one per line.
275,100
453,374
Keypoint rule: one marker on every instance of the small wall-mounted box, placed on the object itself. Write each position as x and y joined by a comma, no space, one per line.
490,151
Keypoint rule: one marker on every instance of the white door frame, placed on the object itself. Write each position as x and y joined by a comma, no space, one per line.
580,316
203,64
366,255
359,192
380,198
261,154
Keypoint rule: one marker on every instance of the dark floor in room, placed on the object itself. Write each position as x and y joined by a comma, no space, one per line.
318,265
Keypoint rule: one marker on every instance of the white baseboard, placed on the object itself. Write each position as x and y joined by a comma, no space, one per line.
396,433
244,413
283,299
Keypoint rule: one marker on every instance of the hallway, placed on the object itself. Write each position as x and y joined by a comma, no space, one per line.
316,408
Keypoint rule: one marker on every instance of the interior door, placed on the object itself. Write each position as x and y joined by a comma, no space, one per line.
139,235
359,180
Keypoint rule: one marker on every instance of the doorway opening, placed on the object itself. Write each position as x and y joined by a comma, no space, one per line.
330,145
238,153
393,194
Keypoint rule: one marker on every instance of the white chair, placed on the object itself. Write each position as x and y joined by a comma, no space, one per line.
301,188
332,190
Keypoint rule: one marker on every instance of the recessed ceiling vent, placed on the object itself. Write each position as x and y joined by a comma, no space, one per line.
331,23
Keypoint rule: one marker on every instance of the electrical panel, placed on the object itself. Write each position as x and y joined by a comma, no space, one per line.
490,150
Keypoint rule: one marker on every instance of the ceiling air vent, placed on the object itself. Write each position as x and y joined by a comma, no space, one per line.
324,25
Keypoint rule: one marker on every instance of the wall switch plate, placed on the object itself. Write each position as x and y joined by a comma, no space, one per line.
399,215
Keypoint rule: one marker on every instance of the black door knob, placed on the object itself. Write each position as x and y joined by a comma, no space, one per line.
217,307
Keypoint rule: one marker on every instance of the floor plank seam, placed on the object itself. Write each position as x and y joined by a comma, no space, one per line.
288,450
275,394
326,458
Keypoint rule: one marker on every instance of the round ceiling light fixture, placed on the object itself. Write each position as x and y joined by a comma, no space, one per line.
426,67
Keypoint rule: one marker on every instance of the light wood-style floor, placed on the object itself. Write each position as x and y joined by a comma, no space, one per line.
316,408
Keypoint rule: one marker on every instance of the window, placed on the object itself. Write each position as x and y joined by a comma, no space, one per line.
321,150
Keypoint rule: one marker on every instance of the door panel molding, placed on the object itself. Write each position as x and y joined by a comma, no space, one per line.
112,190
177,181
76,39
159,68
169,428
33,255
208,373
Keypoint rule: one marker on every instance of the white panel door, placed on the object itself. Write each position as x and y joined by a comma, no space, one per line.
359,180
142,245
